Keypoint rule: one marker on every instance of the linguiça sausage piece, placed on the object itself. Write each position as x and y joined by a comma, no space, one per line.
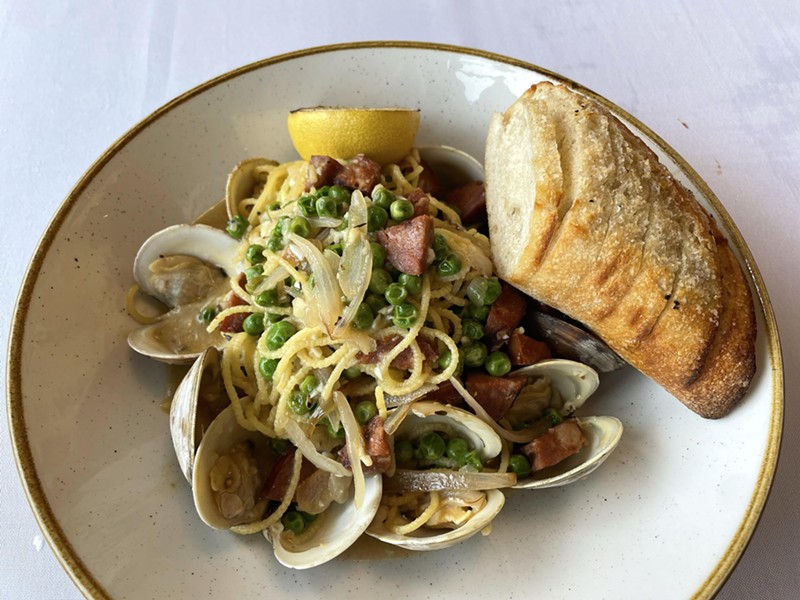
233,323
419,199
524,350
321,171
470,201
404,360
407,244
377,444
281,474
359,173
558,443
505,314
495,394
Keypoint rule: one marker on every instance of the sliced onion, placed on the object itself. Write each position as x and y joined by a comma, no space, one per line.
436,480
306,446
396,417
354,273
393,401
331,222
325,294
355,445
357,213
470,254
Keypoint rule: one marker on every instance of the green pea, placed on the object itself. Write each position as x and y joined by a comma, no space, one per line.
395,293
274,206
444,359
207,314
376,218
307,205
364,317
479,313
473,462
364,411
440,247
275,244
279,333
552,415
497,363
351,372
376,302
273,318
267,366
236,227
294,522
483,291
405,315
279,446
449,265
298,402
474,354
379,281
337,434
413,283
253,272
382,197
519,465
457,449
327,207
338,248
338,193
309,384
255,254
343,225
254,324
378,255
472,329
401,210
267,298
403,452
431,447
300,226
281,226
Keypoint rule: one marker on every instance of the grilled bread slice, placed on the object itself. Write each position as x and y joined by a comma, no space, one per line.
583,217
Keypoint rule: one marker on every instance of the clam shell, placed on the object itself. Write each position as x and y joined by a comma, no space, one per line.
241,183
574,381
603,435
341,525
453,166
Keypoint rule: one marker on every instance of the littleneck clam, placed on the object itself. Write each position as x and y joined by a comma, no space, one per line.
188,268
445,514
197,400
243,183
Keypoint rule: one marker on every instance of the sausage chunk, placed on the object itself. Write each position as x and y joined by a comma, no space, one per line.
233,323
377,445
360,173
322,170
281,474
404,360
429,181
419,199
407,244
470,201
524,350
446,393
495,394
558,443
505,314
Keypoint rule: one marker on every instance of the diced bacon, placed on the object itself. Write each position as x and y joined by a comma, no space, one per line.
404,360
233,323
419,199
322,170
470,201
558,443
495,394
376,442
505,314
407,244
524,350
360,173
281,474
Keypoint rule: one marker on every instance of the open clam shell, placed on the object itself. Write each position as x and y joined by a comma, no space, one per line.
334,531
603,435
574,381
183,410
243,183
179,336
453,166
424,418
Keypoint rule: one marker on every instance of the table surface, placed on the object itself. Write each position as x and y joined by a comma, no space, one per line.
719,81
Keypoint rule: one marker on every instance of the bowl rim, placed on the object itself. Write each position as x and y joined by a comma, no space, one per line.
82,576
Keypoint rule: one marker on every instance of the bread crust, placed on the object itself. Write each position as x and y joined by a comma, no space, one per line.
583,217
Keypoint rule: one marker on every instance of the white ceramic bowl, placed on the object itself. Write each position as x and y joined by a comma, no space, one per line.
667,516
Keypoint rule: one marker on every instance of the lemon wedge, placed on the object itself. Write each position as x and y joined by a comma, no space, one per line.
385,135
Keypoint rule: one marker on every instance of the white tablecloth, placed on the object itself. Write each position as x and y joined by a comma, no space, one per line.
719,81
